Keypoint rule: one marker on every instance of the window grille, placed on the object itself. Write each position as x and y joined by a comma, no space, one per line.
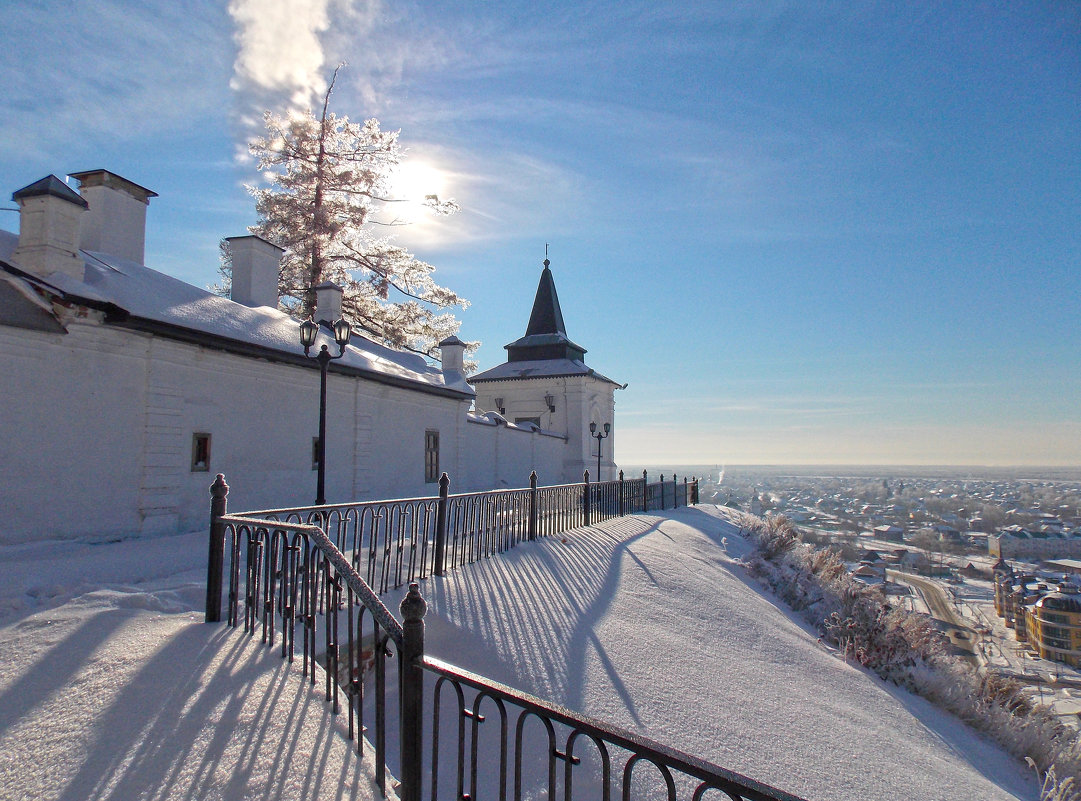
431,456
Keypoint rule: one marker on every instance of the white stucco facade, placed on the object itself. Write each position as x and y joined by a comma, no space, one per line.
578,400
127,391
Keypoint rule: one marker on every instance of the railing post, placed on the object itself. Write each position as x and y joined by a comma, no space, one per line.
697,499
411,695
533,505
585,498
662,492
440,566
215,562
686,497
645,492
621,511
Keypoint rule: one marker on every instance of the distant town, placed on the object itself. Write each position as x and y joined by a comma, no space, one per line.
994,559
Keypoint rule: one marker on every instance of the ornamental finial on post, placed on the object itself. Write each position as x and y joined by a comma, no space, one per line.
413,606
219,489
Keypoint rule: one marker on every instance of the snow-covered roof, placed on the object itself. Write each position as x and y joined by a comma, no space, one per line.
539,368
496,419
135,296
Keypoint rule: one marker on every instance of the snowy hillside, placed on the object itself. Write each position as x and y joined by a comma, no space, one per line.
111,687
647,622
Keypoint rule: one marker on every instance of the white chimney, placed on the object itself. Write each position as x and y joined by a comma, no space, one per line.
116,221
255,270
49,222
328,302
452,351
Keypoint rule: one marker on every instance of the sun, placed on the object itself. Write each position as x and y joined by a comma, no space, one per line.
414,182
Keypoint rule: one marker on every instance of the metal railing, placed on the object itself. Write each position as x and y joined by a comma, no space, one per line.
392,543
321,570
293,576
597,755
296,576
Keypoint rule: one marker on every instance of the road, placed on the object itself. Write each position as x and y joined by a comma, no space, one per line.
938,602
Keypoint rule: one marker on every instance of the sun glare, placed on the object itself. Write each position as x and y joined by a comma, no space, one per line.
413,183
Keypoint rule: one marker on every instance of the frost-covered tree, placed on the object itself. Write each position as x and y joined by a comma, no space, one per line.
330,191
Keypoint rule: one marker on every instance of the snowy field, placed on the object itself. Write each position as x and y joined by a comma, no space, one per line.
111,687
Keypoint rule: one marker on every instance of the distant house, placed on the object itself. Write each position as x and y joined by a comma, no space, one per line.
868,574
890,533
971,571
1063,565
947,533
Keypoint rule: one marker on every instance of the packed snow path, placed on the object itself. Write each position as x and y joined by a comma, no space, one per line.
116,695
649,623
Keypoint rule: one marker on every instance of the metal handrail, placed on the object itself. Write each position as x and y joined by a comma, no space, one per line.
352,578
665,758
329,507
293,571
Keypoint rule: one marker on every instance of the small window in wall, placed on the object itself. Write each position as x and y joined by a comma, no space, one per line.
315,453
200,453
431,456
534,420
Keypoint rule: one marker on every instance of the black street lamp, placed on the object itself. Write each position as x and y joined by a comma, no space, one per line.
598,435
309,330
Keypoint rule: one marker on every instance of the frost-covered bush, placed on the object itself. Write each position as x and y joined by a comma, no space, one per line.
1055,789
906,649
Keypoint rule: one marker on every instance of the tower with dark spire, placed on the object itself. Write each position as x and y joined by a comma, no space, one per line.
546,382
546,335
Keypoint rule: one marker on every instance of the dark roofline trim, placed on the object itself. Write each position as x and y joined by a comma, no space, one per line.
34,280
193,337
121,318
590,374
254,236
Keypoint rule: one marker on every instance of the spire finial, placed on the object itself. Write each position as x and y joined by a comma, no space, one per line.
546,262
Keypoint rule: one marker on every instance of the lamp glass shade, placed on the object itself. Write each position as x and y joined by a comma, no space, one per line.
607,427
308,331
342,332
592,428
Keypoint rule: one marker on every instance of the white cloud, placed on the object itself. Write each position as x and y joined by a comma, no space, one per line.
280,52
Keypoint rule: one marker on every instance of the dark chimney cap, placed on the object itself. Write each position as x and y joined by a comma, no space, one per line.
89,178
50,185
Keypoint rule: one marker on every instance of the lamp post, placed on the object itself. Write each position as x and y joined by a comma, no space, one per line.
598,435
309,330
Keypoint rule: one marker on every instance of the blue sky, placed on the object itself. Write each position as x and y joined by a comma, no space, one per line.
802,232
